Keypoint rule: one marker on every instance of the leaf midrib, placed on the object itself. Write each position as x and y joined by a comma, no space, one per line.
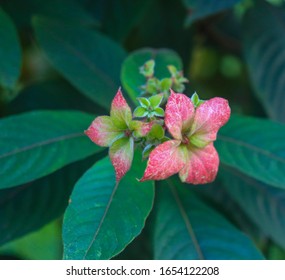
95,70
252,147
42,143
102,220
186,220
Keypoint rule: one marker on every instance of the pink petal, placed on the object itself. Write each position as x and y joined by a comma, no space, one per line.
209,118
165,160
121,153
179,114
102,131
120,111
201,166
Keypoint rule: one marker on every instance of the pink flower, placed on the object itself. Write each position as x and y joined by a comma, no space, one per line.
117,132
191,153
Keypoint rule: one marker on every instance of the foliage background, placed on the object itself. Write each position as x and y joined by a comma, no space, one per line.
70,55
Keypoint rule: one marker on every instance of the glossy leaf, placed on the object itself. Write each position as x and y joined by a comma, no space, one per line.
199,9
28,207
131,78
35,144
187,229
255,147
51,95
264,48
63,10
87,59
264,204
102,217
10,52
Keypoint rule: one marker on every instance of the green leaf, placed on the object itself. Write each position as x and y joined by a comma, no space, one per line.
255,147
63,10
35,144
44,244
140,112
119,18
264,204
159,112
155,100
10,52
199,9
102,217
87,59
186,228
51,95
28,207
144,102
131,78
264,49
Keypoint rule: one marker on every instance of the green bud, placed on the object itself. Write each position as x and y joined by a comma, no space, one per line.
165,84
196,100
148,68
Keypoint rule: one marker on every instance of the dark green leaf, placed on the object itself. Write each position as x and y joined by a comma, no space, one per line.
44,244
64,10
51,95
28,207
102,217
88,60
131,78
35,144
199,9
10,52
264,48
186,228
255,147
264,204
121,17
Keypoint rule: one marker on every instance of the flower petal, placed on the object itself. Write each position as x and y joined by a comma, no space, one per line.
201,166
120,111
165,160
103,132
209,118
121,153
179,114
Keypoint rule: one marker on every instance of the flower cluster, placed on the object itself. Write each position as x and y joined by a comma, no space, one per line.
177,140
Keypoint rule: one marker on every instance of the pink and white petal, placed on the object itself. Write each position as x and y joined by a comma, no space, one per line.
102,131
179,114
201,166
121,113
165,160
121,154
209,118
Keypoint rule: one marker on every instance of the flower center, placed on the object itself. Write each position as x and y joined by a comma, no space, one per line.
128,133
185,139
